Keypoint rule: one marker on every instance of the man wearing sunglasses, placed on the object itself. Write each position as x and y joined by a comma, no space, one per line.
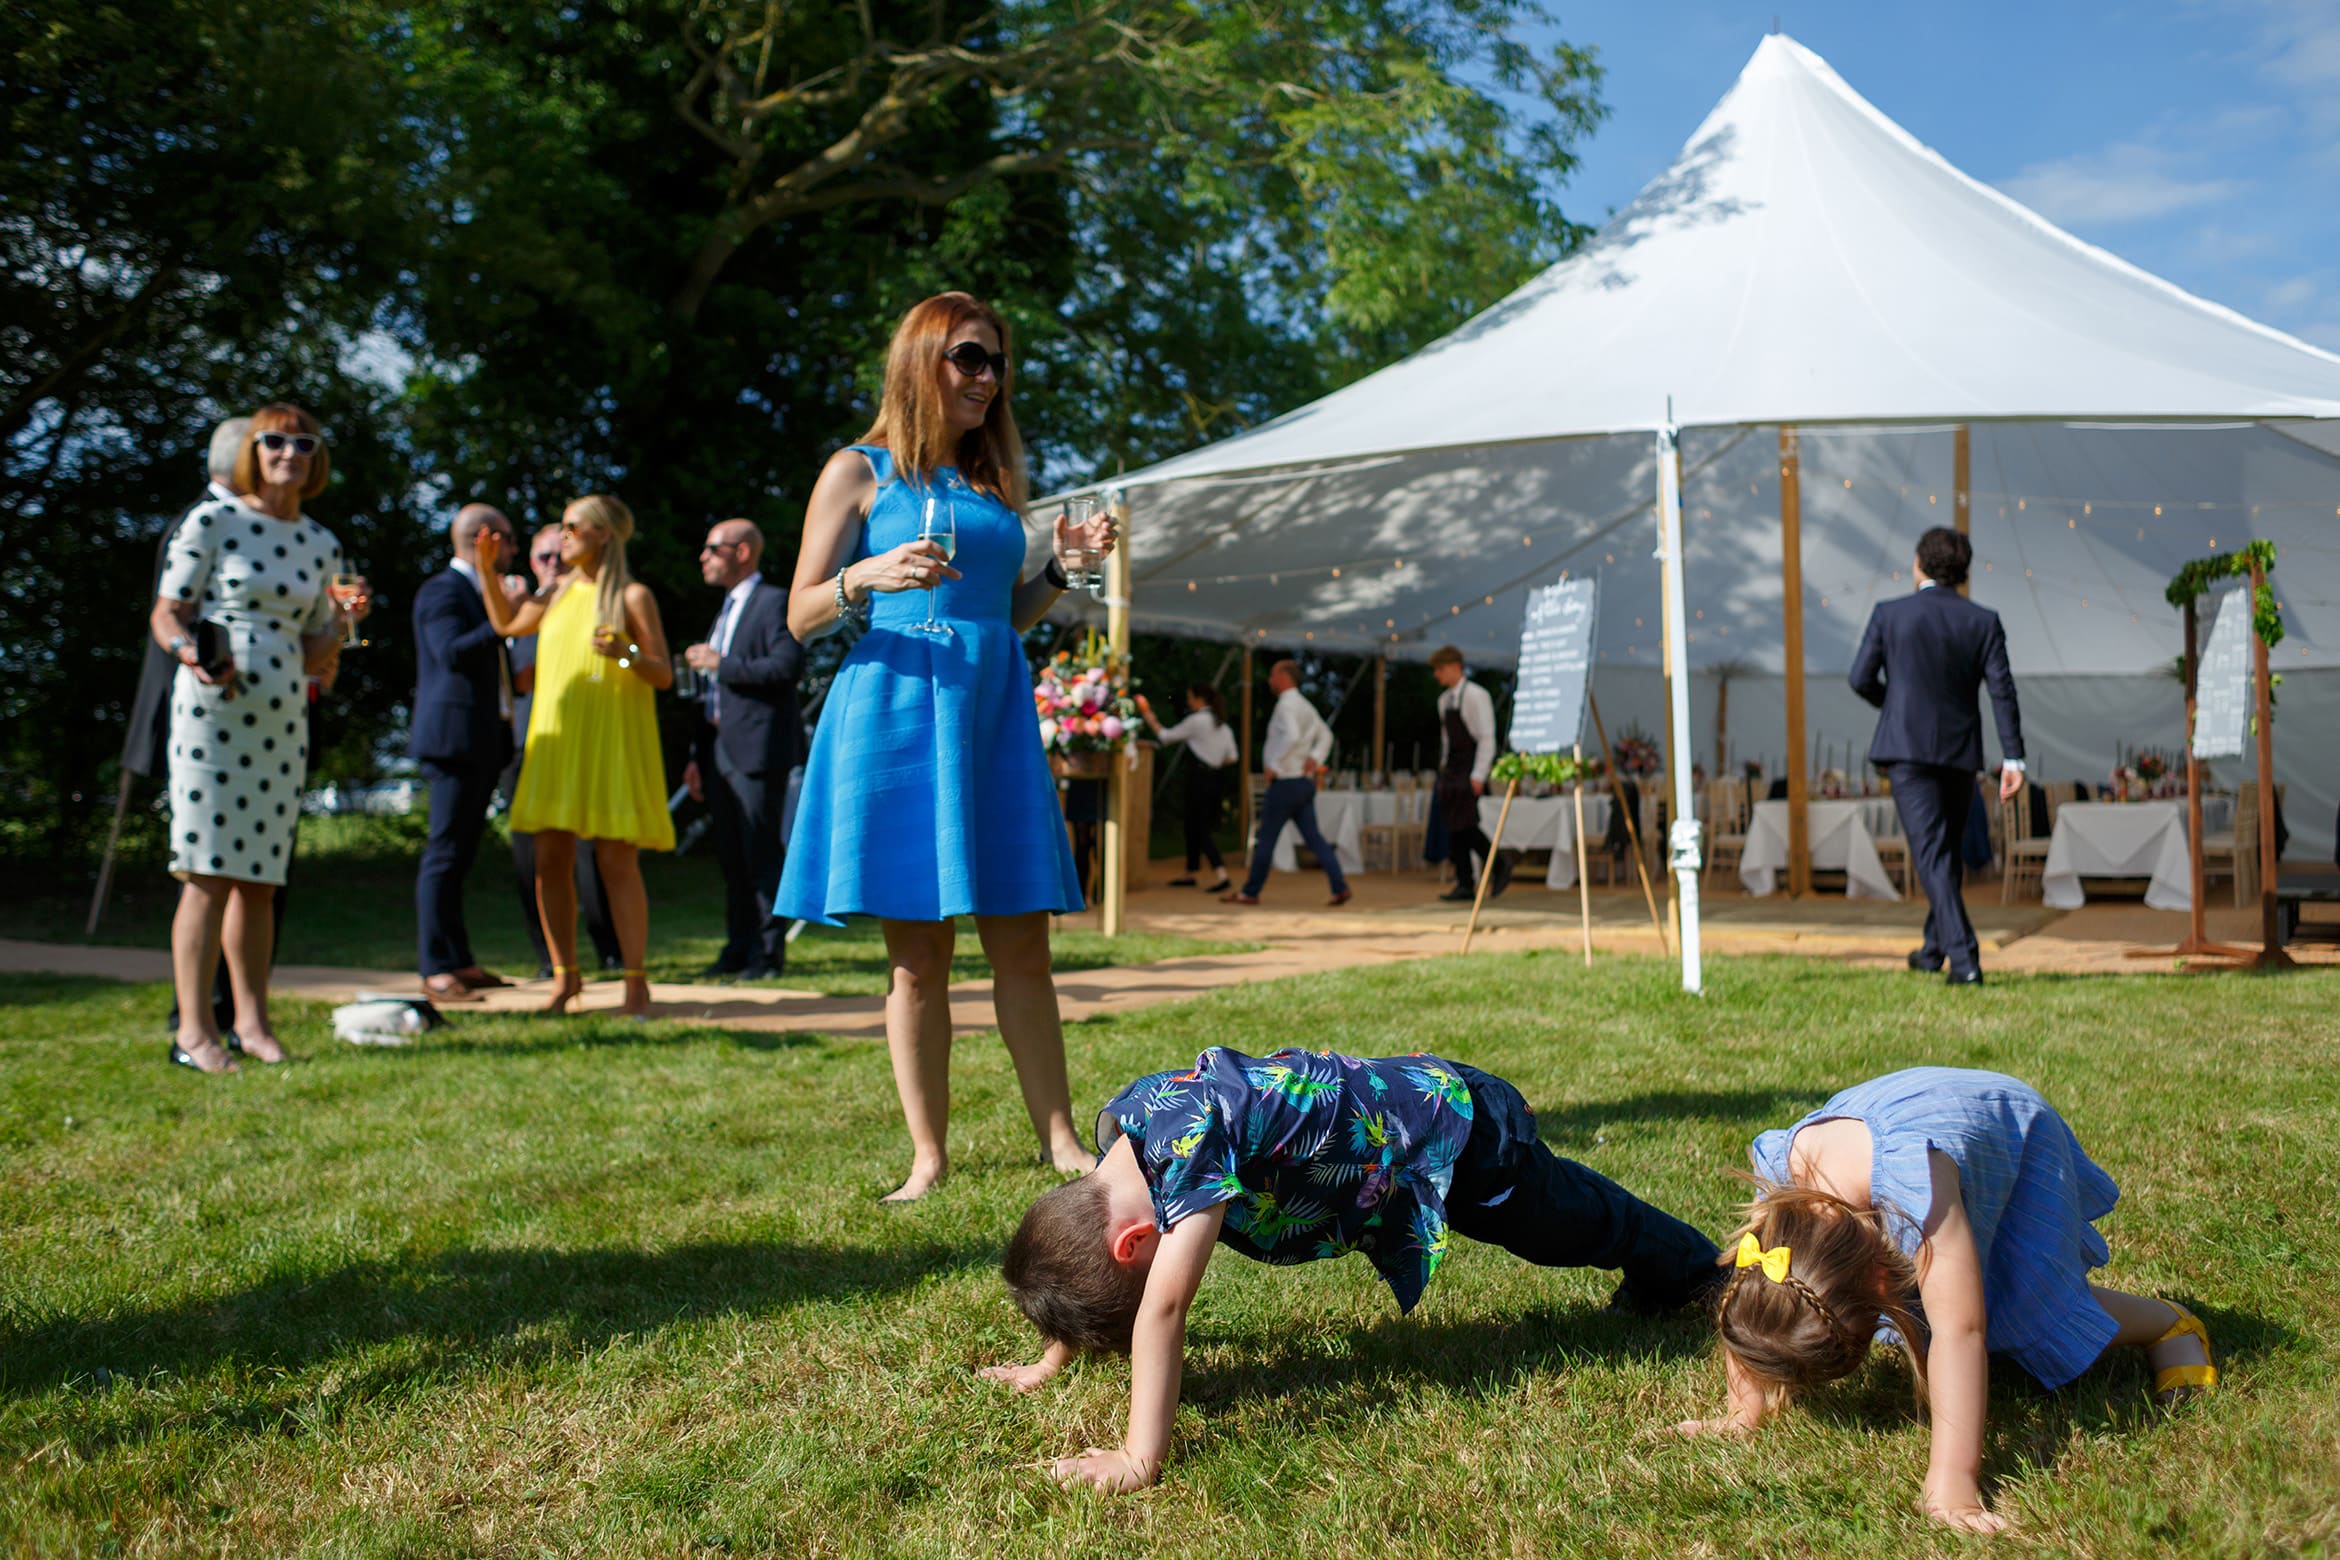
748,736
460,739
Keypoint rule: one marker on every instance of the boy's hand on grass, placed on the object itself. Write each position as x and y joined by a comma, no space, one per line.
1023,1378
1113,1471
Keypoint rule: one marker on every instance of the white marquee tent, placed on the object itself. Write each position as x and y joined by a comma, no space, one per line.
1804,263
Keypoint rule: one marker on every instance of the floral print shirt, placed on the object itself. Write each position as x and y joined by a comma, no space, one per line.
1315,1154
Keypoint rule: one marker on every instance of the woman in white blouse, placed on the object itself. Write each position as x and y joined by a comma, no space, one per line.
1210,752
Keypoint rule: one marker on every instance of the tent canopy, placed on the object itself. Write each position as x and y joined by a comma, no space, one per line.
1804,261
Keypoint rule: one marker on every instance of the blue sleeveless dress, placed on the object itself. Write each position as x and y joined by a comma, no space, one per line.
2032,1197
927,794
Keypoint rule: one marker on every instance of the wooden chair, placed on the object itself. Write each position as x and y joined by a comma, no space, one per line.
1726,825
1388,847
2024,854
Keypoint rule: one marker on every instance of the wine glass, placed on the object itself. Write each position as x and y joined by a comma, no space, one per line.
347,590
939,524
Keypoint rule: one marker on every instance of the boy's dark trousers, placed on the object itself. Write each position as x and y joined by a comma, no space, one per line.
1509,1190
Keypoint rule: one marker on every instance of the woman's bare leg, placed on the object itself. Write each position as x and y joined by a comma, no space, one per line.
195,935
556,908
1023,992
629,915
918,1035
249,940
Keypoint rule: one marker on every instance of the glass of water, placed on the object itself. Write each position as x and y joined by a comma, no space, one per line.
1084,567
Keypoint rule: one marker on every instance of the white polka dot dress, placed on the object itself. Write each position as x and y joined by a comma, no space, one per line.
238,765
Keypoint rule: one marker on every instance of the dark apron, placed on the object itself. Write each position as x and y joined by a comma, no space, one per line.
1458,804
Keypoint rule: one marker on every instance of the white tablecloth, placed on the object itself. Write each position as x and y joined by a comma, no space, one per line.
1547,823
1843,840
2119,839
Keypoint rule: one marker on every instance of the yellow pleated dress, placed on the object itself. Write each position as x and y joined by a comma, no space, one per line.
592,766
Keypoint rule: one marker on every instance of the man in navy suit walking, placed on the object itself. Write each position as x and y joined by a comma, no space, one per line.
1922,660
460,739
749,735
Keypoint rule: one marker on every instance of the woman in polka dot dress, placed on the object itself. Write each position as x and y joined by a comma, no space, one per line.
239,748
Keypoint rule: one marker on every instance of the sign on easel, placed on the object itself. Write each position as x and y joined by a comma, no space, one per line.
1555,667
1547,718
2223,688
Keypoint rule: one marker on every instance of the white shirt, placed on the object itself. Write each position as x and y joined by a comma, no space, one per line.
726,625
1206,737
1296,734
222,492
1478,718
463,567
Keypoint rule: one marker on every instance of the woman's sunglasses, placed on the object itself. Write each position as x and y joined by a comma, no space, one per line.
298,443
969,358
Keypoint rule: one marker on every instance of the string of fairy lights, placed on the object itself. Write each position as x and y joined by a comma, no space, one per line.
2187,526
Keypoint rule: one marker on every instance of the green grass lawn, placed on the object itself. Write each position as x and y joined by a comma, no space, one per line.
587,1288
352,903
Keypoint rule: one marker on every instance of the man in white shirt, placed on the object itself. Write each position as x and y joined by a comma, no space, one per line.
1298,743
1466,751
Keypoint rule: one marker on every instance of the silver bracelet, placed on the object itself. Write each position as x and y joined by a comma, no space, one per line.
844,602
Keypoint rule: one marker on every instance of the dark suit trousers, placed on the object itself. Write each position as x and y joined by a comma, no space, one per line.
1933,801
459,804
743,810
1293,802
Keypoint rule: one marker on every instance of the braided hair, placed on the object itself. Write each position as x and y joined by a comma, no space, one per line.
1844,1275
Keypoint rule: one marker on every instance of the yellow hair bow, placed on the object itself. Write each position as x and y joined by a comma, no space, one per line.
1773,1262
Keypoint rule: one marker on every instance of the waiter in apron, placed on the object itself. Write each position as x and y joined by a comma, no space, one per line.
1466,751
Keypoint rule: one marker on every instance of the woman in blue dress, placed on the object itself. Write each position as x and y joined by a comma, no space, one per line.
1957,1208
927,795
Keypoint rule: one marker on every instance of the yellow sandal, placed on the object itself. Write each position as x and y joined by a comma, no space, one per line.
2174,1384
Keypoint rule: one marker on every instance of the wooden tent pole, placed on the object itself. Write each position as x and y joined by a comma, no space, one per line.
1113,836
1791,584
1377,762
1583,859
1243,831
2196,943
1962,485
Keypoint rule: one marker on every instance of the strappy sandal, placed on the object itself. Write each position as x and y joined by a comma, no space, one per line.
562,994
2174,1384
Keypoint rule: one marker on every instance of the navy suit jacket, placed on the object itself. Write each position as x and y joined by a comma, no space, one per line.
458,658
762,730
1922,660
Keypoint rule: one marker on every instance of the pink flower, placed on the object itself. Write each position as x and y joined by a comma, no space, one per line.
1112,728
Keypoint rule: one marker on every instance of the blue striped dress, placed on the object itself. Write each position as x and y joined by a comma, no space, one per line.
2032,1197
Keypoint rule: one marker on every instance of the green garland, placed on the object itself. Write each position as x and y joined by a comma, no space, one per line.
2196,577
1551,768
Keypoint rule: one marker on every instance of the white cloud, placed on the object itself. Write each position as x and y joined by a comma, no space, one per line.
2295,292
2302,38
2126,182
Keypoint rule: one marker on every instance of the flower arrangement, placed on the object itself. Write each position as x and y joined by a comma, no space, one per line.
1637,755
1084,703
2144,774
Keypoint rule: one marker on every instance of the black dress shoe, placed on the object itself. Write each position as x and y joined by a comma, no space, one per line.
760,970
1501,879
1926,963
1969,978
1461,893
716,971
1184,882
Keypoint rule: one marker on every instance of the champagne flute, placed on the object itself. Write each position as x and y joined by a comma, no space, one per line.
938,524
347,590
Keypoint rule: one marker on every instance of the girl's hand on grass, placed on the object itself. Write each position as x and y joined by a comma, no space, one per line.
1115,1471
1722,1424
1960,1506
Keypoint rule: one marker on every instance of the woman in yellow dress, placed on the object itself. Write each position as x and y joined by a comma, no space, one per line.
592,769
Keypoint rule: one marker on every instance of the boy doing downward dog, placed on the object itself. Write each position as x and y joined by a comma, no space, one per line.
1291,1158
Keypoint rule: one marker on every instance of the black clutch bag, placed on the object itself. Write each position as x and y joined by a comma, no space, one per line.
213,651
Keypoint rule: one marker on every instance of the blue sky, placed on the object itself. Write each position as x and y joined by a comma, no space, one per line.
2199,139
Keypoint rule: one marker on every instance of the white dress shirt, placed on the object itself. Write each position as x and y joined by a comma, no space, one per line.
1296,736
463,567
726,625
1206,737
1478,718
